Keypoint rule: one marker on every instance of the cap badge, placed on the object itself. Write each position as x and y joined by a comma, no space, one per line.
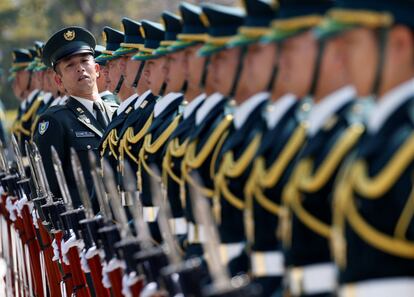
69,35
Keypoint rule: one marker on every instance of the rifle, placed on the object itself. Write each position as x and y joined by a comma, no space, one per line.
222,285
71,220
89,228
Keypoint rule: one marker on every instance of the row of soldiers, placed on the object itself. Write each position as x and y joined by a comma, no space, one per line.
256,151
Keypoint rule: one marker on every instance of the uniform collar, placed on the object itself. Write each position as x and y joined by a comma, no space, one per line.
278,109
32,95
328,106
105,93
388,103
163,103
243,111
189,109
141,99
207,106
47,97
88,104
124,104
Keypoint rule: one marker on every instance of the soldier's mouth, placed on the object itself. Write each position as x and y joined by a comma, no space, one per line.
83,77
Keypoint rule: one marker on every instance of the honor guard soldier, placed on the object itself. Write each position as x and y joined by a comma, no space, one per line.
147,37
81,122
237,150
307,197
213,116
187,44
116,67
24,82
165,119
102,82
373,230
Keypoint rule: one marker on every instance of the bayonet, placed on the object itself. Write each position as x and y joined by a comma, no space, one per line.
3,160
99,187
204,218
143,232
164,216
44,185
115,200
19,158
80,182
60,175
34,174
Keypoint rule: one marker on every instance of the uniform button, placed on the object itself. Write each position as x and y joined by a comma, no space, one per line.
88,147
129,147
110,153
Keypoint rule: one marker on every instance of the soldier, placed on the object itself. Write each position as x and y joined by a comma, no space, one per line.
116,59
81,122
188,43
373,238
161,76
212,118
102,81
28,91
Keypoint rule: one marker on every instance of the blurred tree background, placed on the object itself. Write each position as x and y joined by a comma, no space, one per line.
24,21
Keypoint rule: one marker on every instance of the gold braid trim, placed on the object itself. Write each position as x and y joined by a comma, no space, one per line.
312,222
195,161
406,217
381,241
253,190
33,127
31,112
130,138
271,177
147,168
176,149
113,143
153,147
167,165
234,169
309,183
221,186
375,187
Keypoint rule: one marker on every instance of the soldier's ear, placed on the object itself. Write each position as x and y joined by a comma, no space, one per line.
58,80
97,68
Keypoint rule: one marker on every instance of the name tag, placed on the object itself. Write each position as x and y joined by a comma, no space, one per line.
82,134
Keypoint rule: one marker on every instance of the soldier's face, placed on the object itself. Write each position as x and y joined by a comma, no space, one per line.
131,71
77,74
175,69
224,65
259,61
297,58
361,59
154,74
332,72
17,91
102,80
194,65
22,79
114,73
